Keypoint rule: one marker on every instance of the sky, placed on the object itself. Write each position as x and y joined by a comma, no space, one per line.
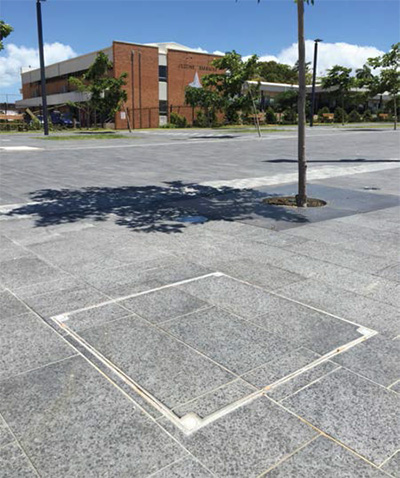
352,30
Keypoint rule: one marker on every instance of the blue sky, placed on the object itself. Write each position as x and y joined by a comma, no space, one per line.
268,29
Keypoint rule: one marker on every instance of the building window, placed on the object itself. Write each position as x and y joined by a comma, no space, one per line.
163,107
162,73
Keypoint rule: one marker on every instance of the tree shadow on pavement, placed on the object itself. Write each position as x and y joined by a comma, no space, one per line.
150,208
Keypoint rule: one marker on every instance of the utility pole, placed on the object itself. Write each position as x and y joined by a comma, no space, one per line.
316,41
42,69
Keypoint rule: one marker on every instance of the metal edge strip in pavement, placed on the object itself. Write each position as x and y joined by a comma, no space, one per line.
191,422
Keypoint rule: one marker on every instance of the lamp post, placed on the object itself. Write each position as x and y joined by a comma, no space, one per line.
42,70
316,41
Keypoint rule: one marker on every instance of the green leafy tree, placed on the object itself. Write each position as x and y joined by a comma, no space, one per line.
340,80
286,100
309,73
275,72
106,93
389,78
205,98
5,30
230,83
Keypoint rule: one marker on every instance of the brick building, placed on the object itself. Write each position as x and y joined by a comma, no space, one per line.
158,74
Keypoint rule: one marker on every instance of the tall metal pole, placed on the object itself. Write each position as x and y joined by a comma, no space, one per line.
42,70
133,86
313,80
140,88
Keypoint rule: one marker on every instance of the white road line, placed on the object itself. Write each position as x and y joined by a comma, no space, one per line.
312,174
19,148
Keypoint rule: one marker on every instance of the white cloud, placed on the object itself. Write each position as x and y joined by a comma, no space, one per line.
200,50
15,57
329,54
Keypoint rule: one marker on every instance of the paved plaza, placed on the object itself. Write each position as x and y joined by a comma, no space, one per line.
158,318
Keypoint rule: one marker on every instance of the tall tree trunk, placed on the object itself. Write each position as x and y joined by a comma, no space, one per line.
301,198
395,111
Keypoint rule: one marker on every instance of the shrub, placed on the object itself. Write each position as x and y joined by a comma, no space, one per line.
321,112
367,116
340,115
270,117
231,116
178,120
204,121
354,116
289,116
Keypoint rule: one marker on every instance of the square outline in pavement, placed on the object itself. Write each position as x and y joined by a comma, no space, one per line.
191,422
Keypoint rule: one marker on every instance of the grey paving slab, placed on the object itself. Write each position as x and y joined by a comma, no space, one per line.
323,457
391,272
164,304
292,386
95,317
335,254
346,240
9,250
6,436
283,366
27,343
353,410
392,466
233,295
263,275
377,358
14,463
363,310
186,468
396,387
10,305
170,370
248,441
362,283
26,271
217,399
306,327
124,281
365,221
67,282
65,300
71,421
129,273
279,367
229,340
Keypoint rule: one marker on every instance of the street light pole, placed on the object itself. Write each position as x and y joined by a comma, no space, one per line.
42,70
316,41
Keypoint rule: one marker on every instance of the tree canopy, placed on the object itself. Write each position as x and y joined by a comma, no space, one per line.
389,78
275,72
106,92
225,89
5,30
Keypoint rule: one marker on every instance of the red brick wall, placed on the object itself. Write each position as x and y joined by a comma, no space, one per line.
148,96
182,67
